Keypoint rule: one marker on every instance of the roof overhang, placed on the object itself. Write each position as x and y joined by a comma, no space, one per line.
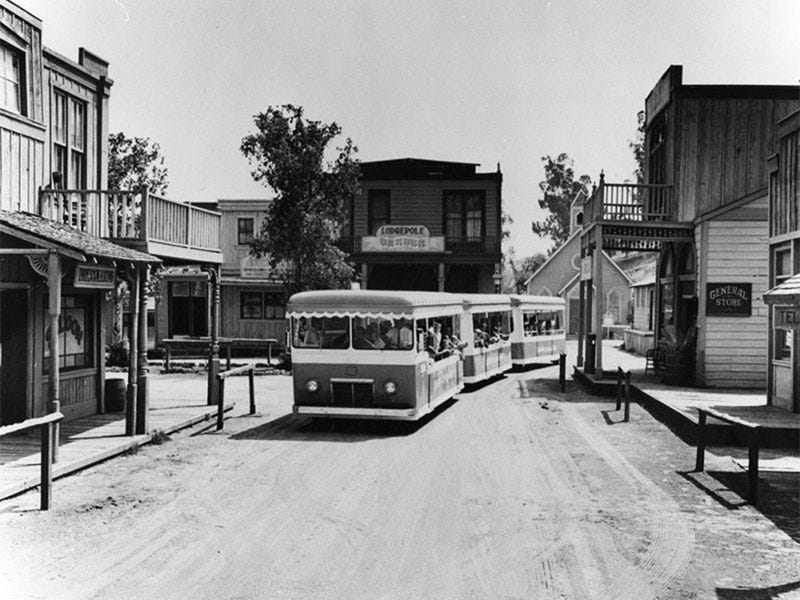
787,293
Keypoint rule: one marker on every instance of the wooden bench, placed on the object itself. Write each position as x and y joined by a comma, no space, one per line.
201,347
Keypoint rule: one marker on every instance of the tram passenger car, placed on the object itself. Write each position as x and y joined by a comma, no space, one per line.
486,328
366,353
537,332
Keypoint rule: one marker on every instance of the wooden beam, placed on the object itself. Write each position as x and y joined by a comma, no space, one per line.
133,357
25,251
54,316
142,399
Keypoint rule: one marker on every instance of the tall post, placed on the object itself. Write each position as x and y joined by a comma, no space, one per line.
133,356
598,305
364,275
588,366
442,277
213,358
581,313
143,395
54,315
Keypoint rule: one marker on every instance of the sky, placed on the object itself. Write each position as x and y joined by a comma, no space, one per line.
466,81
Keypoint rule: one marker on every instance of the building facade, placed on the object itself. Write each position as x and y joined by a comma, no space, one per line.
703,210
426,225
783,382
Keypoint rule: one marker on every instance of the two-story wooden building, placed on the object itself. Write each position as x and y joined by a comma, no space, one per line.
703,209
426,225
252,295
65,240
783,382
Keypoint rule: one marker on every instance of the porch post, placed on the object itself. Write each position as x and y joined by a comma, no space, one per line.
442,277
142,399
213,359
598,315
133,356
54,315
587,321
581,312
364,275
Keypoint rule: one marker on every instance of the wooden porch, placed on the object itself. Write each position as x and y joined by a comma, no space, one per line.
176,232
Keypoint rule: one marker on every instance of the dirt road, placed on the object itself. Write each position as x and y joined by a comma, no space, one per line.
513,491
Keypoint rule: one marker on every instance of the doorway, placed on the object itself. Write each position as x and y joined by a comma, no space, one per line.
13,356
188,309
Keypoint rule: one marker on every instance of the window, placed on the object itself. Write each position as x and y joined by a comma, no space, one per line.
75,332
259,305
321,332
783,265
464,213
379,209
245,231
12,75
251,304
69,142
380,333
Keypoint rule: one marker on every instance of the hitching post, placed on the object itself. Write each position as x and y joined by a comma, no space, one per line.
699,464
627,396
752,464
252,392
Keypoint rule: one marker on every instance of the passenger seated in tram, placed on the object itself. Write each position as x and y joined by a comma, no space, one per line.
312,337
400,335
360,339
374,336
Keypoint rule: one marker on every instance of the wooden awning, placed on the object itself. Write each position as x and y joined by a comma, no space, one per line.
787,293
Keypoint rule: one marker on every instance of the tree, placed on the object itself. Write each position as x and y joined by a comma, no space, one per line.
559,188
305,219
637,147
135,162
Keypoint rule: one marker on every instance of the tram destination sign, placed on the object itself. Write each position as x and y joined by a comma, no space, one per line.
93,276
729,299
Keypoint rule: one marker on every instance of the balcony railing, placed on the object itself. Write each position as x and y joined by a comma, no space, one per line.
629,202
133,215
452,245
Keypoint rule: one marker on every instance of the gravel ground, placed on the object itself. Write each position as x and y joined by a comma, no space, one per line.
514,490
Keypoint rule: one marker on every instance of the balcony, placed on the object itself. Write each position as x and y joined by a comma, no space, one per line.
633,216
456,246
176,232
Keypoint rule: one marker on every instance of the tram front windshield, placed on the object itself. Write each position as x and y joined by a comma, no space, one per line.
321,332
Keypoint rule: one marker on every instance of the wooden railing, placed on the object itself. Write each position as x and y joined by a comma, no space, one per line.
629,202
127,214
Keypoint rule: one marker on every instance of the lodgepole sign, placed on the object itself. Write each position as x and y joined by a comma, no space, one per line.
729,299
402,238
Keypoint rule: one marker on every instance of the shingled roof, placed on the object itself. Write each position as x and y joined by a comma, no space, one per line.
70,238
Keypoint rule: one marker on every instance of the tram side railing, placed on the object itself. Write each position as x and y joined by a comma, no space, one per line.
45,424
221,377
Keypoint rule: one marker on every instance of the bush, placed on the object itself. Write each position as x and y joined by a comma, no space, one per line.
117,354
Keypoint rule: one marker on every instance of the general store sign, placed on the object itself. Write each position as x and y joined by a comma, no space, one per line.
402,238
729,299
92,276
787,317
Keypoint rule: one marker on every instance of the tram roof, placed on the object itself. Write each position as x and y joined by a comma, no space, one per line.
534,302
370,302
472,301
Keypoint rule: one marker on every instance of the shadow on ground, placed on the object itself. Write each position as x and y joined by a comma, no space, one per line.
291,427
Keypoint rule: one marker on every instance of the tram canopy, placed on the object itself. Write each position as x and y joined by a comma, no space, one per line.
538,302
372,303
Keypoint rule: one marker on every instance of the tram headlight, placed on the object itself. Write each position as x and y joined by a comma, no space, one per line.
312,385
390,387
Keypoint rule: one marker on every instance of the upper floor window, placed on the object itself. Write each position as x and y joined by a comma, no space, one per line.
245,231
12,74
464,212
69,142
379,209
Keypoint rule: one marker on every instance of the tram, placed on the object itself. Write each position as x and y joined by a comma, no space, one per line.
374,354
537,328
486,329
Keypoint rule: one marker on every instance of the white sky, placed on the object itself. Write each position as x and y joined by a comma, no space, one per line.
483,82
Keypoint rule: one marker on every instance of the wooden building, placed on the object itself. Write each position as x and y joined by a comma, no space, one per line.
252,294
703,210
66,240
783,382
426,225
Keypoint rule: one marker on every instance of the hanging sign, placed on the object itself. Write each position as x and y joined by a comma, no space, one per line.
402,238
93,276
586,268
787,317
729,299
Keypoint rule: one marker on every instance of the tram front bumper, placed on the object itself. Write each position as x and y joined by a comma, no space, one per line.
402,414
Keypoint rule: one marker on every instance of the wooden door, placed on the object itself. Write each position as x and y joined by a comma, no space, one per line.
13,356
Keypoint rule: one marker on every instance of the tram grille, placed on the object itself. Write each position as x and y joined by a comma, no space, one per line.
352,394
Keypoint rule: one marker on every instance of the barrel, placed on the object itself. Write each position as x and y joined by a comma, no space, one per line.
115,394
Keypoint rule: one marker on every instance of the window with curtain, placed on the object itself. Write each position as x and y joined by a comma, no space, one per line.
464,213
244,228
12,77
379,209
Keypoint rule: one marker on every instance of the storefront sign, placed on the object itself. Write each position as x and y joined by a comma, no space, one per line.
254,268
787,317
402,238
586,268
729,299
92,276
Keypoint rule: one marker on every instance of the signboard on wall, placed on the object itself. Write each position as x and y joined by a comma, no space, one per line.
787,317
402,238
254,268
729,299
93,276
586,268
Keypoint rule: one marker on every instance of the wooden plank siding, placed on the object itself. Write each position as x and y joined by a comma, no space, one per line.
422,203
735,348
233,326
723,144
